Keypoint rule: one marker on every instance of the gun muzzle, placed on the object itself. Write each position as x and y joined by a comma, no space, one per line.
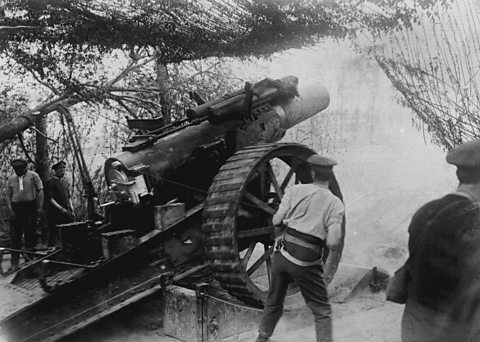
311,100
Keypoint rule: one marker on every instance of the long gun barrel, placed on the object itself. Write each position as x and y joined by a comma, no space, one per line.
217,129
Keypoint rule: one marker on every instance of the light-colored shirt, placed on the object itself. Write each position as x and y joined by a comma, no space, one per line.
310,209
24,188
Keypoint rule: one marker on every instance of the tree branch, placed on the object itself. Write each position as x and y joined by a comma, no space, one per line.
132,66
19,27
11,129
120,102
139,100
134,90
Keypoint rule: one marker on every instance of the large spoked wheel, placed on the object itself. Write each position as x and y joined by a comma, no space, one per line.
237,215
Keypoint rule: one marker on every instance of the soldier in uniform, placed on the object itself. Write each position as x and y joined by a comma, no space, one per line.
59,204
25,203
444,288
313,218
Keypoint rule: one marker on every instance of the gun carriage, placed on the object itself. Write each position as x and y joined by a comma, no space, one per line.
195,192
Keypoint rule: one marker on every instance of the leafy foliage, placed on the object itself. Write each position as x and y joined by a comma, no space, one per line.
61,38
185,29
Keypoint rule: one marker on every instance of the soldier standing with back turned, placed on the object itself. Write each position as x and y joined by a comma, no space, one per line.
314,218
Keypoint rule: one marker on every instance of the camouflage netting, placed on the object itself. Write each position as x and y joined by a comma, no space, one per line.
435,67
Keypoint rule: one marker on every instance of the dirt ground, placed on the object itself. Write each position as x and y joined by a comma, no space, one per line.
361,320
367,317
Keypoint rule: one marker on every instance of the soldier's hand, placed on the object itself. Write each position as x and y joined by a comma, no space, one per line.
67,213
275,202
278,230
71,216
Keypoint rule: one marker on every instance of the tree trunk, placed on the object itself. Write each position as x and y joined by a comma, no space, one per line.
41,157
19,124
10,129
162,82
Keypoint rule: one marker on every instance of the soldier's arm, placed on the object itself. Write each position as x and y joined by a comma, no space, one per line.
70,203
333,224
282,209
40,200
39,186
334,235
9,198
56,205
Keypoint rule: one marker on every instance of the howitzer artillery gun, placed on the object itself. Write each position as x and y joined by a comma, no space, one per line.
201,190
225,158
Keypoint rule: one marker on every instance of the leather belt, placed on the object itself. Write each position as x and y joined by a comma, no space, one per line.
300,242
302,247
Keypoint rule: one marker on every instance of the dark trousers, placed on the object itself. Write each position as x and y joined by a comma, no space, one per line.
309,280
23,226
54,217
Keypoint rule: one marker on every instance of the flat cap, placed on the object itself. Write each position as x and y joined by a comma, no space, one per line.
318,160
465,155
59,165
18,163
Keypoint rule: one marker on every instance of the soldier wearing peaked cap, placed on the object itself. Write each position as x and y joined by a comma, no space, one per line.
318,160
443,301
16,163
59,165
322,165
466,158
59,204
313,218
25,203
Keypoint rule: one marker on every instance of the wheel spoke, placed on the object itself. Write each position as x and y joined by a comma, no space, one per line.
260,261
263,184
259,203
253,232
288,177
277,187
248,255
